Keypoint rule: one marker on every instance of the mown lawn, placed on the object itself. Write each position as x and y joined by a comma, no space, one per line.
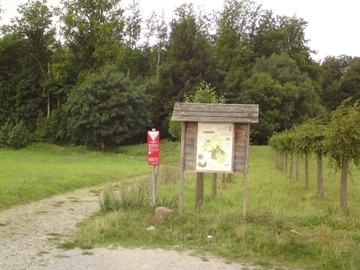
44,170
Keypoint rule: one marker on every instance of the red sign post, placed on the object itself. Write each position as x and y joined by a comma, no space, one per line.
153,140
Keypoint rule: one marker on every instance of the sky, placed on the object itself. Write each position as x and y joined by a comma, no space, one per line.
333,26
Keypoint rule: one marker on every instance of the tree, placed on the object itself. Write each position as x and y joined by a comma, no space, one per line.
232,53
286,97
30,37
334,69
188,62
11,54
106,109
350,82
133,30
4,134
93,32
342,143
316,128
18,136
263,90
158,27
203,94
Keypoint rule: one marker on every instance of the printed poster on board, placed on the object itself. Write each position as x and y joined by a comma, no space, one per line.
215,147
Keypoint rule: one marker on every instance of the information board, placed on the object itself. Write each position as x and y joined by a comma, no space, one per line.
214,151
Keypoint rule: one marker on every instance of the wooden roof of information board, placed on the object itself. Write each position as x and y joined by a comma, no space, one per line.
216,113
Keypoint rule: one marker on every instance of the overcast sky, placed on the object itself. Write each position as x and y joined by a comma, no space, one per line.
333,26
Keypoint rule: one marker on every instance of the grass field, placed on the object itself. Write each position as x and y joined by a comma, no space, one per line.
287,225
43,170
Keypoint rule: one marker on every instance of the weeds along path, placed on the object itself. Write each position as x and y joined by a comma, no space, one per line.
30,233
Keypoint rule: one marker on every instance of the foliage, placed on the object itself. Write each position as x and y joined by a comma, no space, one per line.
241,46
343,135
18,136
120,199
4,134
52,129
334,69
188,61
203,94
94,32
286,96
175,129
106,110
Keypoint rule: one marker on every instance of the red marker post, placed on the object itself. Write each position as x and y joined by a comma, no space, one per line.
153,143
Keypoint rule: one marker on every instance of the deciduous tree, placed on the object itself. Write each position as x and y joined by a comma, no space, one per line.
106,109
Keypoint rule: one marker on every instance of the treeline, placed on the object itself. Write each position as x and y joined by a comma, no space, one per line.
335,135
95,73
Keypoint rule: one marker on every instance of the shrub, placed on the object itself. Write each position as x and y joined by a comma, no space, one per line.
4,134
18,136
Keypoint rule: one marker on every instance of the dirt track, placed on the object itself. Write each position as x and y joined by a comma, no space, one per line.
29,235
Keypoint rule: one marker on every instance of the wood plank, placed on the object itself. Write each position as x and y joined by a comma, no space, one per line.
182,168
239,126
189,151
216,113
190,141
191,133
246,173
240,163
215,107
241,138
239,155
239,143
210,119
191,126
240,132
240,149
199,198
189,165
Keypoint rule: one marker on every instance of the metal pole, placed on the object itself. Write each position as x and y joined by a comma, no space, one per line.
154,180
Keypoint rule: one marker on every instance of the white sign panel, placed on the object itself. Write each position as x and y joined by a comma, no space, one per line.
215,147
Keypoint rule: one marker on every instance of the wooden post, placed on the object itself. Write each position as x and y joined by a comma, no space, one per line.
199,188
244,209
297,168
319,175
291,165
182,168
229,177
343,184
307,170
214,184
223,180
246,171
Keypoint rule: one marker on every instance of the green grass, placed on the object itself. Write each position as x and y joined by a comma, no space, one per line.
287,225
44,170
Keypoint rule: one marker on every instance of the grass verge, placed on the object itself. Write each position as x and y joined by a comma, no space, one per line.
287,225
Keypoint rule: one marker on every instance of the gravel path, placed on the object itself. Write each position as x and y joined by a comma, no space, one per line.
29,235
